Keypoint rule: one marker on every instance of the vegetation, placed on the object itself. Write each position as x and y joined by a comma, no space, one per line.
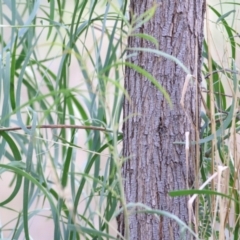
61,90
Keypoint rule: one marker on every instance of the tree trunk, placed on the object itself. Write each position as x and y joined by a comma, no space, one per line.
155,165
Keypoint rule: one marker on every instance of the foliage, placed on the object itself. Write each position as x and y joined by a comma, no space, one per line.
61,100
218,183
61,90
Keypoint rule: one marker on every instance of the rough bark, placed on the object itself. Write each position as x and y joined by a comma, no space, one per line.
156,165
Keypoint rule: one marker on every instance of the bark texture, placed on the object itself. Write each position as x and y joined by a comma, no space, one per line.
156,165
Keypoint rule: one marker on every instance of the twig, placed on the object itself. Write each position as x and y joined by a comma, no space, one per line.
207,91
7,129
221,70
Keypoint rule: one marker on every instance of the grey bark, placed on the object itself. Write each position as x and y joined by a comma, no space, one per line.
156,165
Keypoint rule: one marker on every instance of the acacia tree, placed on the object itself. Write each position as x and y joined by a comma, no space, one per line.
155,163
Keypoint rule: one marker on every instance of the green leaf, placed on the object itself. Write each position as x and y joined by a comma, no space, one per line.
12,145
179,193
225,15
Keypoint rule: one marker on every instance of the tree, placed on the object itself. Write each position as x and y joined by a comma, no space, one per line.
155,164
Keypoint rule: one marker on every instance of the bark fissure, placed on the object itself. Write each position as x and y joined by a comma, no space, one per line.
156,165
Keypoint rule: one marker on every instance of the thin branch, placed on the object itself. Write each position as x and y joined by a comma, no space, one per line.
207,91
221,70
56,126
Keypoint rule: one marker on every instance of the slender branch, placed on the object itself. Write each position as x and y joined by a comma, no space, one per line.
221,70
207,91
7,129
